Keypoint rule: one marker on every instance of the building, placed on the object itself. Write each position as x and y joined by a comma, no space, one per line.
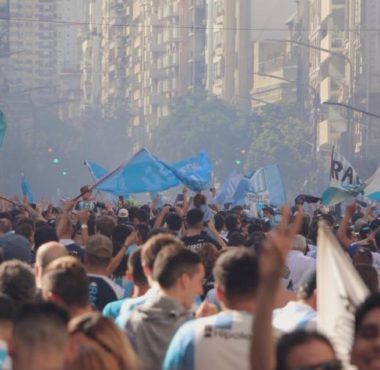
229,51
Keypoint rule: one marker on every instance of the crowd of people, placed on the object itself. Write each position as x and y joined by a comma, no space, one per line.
189,285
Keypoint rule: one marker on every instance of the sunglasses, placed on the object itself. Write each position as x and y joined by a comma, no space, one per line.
332,365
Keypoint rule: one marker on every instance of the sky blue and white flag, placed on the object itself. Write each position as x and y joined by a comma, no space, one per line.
194,172
146,173
26,189
345,184
240,195
227,190
372,189
96,170
267,187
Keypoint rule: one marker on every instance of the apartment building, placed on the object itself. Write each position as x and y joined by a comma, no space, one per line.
229,51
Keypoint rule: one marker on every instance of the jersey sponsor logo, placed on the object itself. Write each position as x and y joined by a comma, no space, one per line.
212,332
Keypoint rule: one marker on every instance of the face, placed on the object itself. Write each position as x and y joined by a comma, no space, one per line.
87,196
194,286
366,349
310,355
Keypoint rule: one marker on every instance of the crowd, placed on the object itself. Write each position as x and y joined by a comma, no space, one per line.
93,285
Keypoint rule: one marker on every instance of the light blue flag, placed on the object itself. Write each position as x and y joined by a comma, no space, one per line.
240,195
96,170
227,190
153,197
267,187
345,184
372,190
26,189
3,127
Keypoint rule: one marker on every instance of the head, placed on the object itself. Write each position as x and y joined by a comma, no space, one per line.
232,222
369,275
5,226
86,192
65,281
300,244
199,200
98,252
17,281
363,256
104,225
173,221
141,216
40,337
268,212
47,253
96,344
236,239
230,275
306,350
44,235
142,233
366,348
219,222
307,290
135,270
122,216
179,270
26,230
194,219
151,249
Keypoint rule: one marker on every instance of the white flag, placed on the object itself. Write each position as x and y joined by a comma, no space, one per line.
372,189
340,290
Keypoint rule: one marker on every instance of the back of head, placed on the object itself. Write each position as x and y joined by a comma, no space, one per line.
141,216
372,302
48,252
236,239
231,271
5,225
219,222
173,221
173,261
17,281
65,279
41,327
15,246
300,244
369,275
199,200
194,218
98,251
153,246
308,285
104,225
142,230
231,221
135,268
25,229
44,235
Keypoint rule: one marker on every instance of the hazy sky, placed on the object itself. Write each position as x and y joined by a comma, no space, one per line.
271,14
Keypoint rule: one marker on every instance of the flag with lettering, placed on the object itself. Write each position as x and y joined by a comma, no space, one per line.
340,291
372,190
345,183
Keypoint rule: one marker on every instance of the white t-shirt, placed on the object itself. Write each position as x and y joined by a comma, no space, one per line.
294,316
299,265
218,342
5,361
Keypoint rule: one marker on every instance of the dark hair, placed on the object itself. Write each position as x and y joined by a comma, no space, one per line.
237,273
371,303
369,275
142,216
174,221
219,222
24,229
5,225
231,222
154,245
362,256
136,269
255,226
119,234
255,241
143,231
173,261
43,235
104,225
7,309
158,231
297,338
194,218
236,239
199,200
66,277
17,281
308,285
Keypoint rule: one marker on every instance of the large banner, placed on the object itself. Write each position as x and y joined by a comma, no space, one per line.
4,28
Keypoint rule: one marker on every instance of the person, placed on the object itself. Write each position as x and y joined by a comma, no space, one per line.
86,201
18,282
306,350
299,314
6,328
47,253
40,337
97,344
151,326
298,263
65,282
366,345
98,255
222,339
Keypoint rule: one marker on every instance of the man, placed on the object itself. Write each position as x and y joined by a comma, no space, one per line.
298,263
300,314
151,326
86,202
366,347
40,338
149,253
47,253
195,237
222,340
65,282
97,257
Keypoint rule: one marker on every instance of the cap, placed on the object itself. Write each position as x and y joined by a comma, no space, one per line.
15,246
123,213
85,189
99,246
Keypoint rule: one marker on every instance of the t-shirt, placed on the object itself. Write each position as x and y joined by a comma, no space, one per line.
5,361
218,342
197,242
102,290
295,316
299,265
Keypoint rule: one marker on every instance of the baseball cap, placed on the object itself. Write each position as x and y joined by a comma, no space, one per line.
99,246
15,246
123,213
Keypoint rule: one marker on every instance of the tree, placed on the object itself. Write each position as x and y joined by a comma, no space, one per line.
201,121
